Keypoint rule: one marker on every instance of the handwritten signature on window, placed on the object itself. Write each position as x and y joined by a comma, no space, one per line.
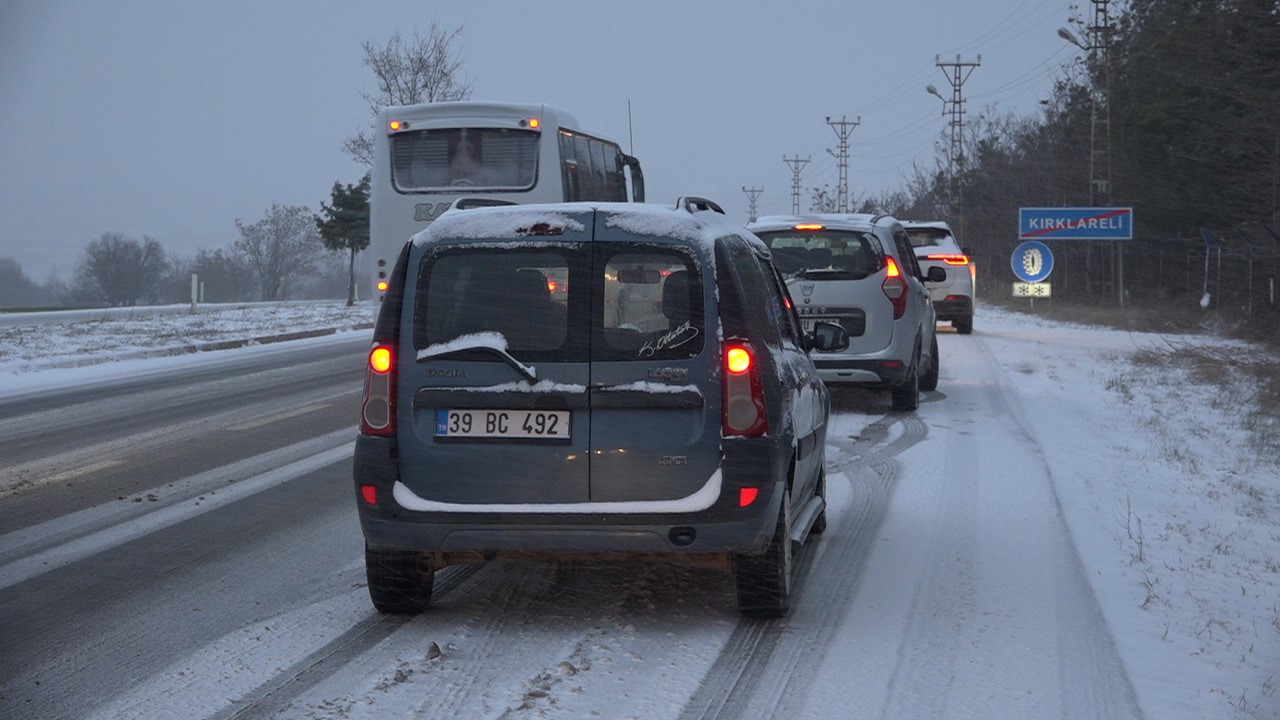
681,334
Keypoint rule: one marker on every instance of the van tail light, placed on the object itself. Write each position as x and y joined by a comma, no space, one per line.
744,411
377,408
895,288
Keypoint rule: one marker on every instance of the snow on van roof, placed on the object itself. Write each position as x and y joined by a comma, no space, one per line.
660,221
513,221
499,222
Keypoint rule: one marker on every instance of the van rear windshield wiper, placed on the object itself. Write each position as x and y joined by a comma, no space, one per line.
490,343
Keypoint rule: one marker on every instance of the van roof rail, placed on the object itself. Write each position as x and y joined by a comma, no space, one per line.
694,204
466,203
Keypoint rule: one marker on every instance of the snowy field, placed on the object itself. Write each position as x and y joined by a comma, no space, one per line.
35,341
1170,488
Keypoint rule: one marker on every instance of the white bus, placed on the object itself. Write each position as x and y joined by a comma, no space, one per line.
428,156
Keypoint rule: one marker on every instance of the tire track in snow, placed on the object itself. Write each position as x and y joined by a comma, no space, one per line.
271,698
1000,615
768,666
1095,684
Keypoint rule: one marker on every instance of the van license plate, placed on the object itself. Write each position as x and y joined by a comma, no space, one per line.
512,424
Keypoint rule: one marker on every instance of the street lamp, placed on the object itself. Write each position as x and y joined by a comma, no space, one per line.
1070,37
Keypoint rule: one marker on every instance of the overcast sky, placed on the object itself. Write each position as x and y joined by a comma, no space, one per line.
172,119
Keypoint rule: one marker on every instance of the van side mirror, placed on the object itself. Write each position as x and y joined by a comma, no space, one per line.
936,275
828,337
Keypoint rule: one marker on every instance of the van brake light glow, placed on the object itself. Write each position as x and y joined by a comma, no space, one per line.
377,409
893,270
810,226
738,360
895,288
744,411
950,259
380,359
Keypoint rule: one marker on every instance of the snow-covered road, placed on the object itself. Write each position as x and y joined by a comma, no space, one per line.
1056,533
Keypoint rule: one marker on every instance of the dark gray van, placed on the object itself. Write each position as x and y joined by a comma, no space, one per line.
589,380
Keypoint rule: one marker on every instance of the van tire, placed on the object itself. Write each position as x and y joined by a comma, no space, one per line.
764,580
400,581
964,325
906,397
929,382
820,522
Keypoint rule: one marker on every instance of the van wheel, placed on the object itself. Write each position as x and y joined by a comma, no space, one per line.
820,523
399,581
764,580
930,380
964,326
906,397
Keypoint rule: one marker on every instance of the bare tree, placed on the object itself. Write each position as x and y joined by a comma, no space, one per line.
822,200
280,247
121,270
424,70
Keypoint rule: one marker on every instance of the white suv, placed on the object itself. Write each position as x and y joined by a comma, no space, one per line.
935,246
859,271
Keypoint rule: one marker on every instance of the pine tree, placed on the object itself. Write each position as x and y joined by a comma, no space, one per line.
345,225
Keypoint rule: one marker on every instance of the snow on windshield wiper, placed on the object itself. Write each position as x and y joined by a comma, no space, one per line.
488,342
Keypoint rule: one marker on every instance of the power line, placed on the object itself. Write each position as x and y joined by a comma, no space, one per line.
796,164
753,193
843,128
956,73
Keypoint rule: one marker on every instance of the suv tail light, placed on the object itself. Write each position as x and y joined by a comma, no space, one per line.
895,288
950,259
377,409
745,412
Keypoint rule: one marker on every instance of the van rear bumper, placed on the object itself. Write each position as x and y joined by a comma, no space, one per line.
884,372
457,537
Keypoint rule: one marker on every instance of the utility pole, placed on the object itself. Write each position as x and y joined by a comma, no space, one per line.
843,128
957,73
1099,49
752,192
796,164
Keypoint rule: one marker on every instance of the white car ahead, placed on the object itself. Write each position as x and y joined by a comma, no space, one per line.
935,246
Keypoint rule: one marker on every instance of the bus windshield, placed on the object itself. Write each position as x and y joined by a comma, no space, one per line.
490,158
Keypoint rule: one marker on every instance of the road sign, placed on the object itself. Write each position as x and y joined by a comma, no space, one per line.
1032,261
1075,223
1032,290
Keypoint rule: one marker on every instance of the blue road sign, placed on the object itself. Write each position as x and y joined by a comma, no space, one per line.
1032,261
1075,223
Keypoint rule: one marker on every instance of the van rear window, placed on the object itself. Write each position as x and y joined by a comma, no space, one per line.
564,303
652,305
797,251
521,295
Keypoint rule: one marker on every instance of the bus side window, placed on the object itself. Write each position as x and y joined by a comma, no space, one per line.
569,169
598,173
586,179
